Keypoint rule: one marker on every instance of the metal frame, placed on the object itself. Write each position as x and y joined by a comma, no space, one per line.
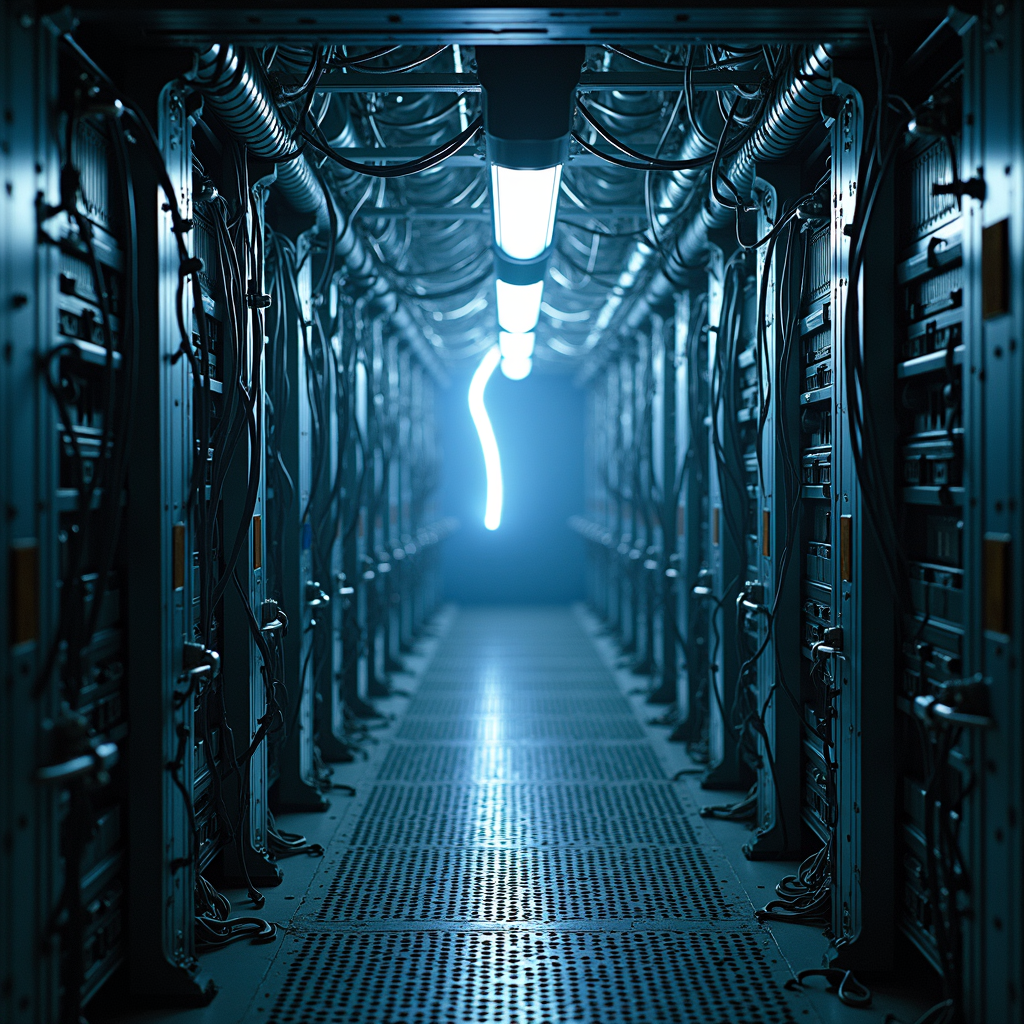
863,887
778,826
29,813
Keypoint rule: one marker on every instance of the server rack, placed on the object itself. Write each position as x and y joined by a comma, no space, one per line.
647,544
728,507
236,701
929,416
860,735
693,552
628,551
298,373
616,515
393,622
788,209
664,473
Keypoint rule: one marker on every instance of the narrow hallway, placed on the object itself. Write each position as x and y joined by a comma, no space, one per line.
522,857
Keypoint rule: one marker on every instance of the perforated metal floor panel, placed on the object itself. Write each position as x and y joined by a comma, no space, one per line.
528,977
497,728
517,814
519,762
530,885
558,705
522,859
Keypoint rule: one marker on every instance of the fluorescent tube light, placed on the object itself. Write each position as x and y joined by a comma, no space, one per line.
516,368
518,306
524,204
516,346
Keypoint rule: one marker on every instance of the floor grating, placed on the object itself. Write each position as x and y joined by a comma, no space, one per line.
507,702
529,885
520,762
527,977
514,814
522,859
497,728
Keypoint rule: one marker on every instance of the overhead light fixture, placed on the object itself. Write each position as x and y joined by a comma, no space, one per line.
516,369
488,442
516,350
528,94
516,346
524,202
518,305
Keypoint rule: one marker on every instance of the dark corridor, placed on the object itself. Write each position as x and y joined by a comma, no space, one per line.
511,513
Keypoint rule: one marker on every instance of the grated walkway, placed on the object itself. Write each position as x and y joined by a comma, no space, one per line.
521,858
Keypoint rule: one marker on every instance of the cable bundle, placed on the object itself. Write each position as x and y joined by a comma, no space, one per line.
215,927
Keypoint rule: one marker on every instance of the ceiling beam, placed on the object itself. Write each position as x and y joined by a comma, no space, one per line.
466,157
590,81
568,213
428,22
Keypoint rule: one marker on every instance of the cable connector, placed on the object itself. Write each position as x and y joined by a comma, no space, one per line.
830,644
960,702
272,619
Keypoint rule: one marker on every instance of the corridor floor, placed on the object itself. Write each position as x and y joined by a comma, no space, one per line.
521,857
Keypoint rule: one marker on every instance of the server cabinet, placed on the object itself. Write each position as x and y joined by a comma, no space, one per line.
175,833
378,566
773,598
664,474
617,506
932,480
858,703
728,505
693,519
393,626
298,373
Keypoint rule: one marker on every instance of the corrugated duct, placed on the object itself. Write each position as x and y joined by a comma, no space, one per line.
794,108
236,90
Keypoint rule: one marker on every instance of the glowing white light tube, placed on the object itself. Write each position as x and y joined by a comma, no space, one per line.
524,204
518,305
482,422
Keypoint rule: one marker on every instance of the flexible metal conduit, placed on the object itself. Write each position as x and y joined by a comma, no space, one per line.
794,109
235,88
674,193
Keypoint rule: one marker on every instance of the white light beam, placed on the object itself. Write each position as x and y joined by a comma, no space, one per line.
488,442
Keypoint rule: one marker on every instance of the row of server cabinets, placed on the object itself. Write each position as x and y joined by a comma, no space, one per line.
804,514
219,536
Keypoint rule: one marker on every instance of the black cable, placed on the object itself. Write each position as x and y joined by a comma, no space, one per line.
397,68
647,162
346,60
650,62
316,139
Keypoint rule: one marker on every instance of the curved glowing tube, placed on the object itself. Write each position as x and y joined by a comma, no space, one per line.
482,422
